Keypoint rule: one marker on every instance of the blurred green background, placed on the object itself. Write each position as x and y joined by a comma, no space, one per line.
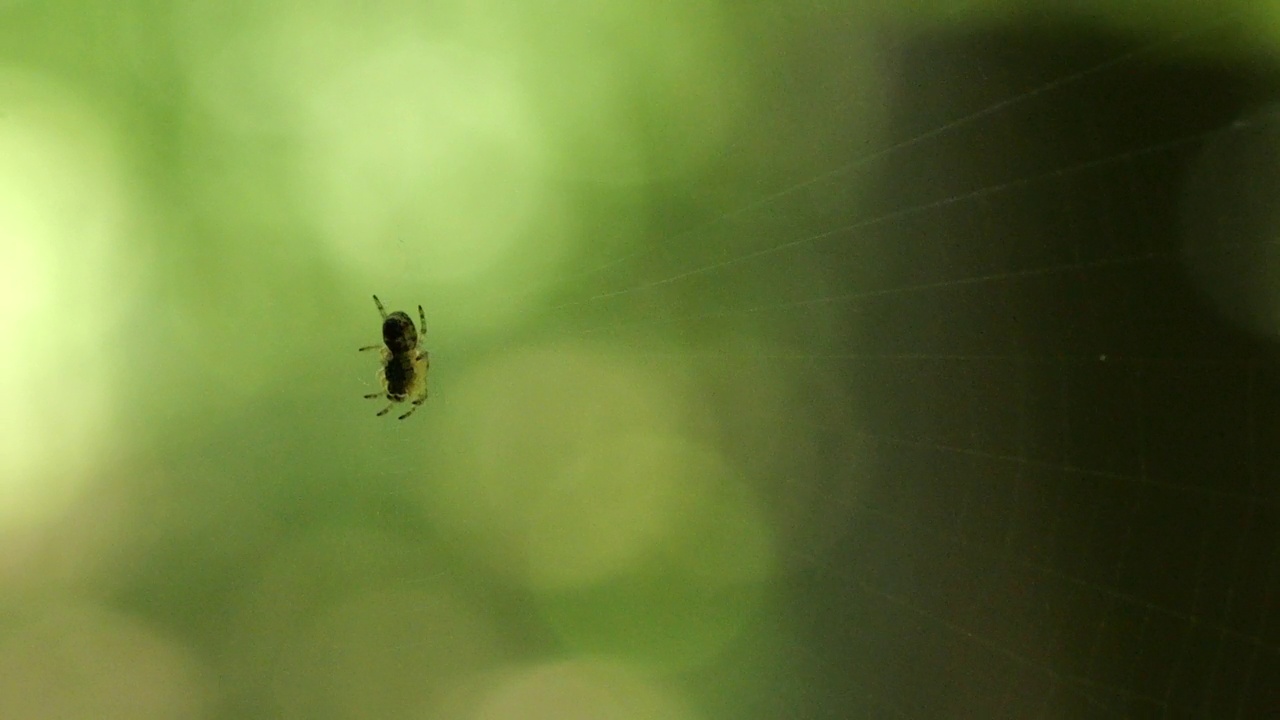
200,517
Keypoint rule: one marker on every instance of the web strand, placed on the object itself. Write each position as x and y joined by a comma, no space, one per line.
1094,520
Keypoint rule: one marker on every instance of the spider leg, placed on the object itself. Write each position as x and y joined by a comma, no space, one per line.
381,309
423,370
369,347
417,402
372,396
422,323
419,399
384,410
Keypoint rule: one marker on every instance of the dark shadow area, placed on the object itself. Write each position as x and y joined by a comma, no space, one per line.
1072,506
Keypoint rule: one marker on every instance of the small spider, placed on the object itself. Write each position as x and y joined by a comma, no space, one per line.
404,364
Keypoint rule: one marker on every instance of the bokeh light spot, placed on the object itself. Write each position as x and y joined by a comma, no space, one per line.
64,214
70,661
573,470
357,620
525,433
581,690
1232,223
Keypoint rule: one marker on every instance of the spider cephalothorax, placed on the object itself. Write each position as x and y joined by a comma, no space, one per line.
398,332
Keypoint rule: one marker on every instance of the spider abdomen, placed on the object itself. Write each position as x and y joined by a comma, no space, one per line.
399,375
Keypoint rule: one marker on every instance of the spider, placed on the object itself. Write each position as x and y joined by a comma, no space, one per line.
404,363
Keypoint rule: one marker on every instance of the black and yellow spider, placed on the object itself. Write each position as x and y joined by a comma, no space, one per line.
404,364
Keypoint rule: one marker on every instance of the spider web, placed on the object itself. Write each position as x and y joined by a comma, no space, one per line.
1056,497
